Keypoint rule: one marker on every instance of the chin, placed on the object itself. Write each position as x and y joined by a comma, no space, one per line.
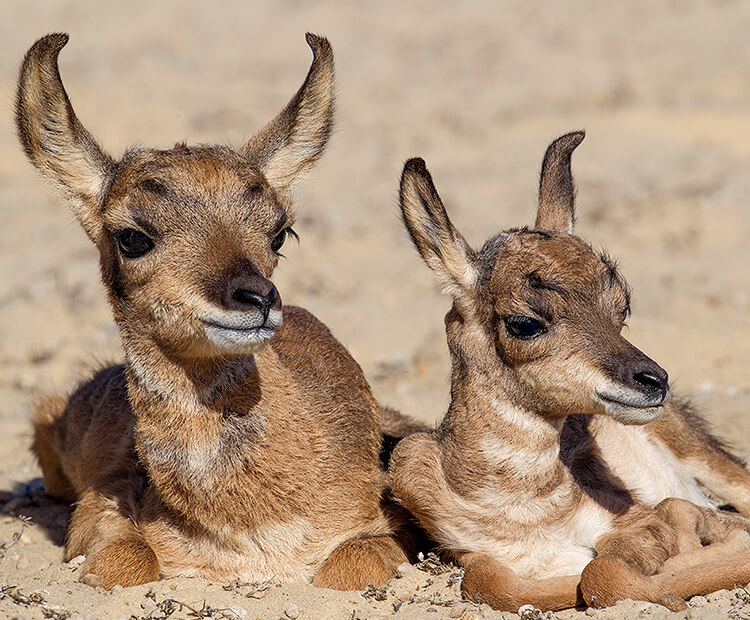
633,415
238,341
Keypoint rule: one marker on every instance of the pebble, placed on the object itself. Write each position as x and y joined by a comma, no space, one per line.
457,611
405,569
117,588
291,611
77,561
698,601
473,614
23,562
590,611
173,586
148,603
90,579
239,612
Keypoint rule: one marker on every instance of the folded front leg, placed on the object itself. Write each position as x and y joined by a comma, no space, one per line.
117,553
488,581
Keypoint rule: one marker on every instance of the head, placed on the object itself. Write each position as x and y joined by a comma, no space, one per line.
188,237
548,309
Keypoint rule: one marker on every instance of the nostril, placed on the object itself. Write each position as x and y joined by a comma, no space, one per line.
248,298
652,380
271,297
251,298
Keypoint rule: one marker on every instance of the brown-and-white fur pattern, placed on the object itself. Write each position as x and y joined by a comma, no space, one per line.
541,462
239,439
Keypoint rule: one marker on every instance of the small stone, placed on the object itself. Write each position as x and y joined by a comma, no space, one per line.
238,612
673,602
22,562
90,579
173,586
699,601
77,561
528,612
473,614
291,611
148,603
457,611
117,588
405,569
590,611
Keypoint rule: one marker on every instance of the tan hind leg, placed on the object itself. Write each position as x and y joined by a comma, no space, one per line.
487,581
359,562
116,552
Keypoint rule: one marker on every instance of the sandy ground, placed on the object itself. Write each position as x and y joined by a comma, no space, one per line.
478,90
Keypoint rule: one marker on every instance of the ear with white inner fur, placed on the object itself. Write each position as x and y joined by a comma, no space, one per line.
55,140
288,147
438,242
556,188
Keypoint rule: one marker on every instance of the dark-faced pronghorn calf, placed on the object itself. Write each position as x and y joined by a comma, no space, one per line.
545,458
239,439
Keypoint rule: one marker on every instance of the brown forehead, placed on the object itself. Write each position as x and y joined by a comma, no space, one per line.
204,179
208,169
553,260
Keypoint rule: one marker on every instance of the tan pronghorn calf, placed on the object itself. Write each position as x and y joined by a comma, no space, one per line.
239,439
541,462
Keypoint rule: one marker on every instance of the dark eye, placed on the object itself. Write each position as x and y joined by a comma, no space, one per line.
524,327
133,243
279,239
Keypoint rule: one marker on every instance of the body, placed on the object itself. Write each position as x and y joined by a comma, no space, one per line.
562,452
239,440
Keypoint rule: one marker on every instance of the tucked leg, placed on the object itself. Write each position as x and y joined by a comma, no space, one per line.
487,581
359,562
116,553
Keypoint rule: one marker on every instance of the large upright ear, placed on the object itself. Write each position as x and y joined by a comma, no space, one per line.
438,242
53,137
556,189
288,147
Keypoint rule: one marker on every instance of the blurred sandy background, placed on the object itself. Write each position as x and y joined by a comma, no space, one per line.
476,88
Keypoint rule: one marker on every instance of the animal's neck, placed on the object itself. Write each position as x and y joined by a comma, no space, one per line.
164,376
187,429
489,421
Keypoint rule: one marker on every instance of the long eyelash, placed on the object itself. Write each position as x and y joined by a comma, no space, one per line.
291,233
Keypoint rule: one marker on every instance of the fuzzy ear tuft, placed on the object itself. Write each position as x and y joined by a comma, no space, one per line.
438,242
55,140
288,147
556,189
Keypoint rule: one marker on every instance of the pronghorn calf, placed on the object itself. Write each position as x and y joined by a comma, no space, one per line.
520,482
238,440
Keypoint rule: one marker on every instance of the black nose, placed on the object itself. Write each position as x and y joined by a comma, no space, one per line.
652,379
252,299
